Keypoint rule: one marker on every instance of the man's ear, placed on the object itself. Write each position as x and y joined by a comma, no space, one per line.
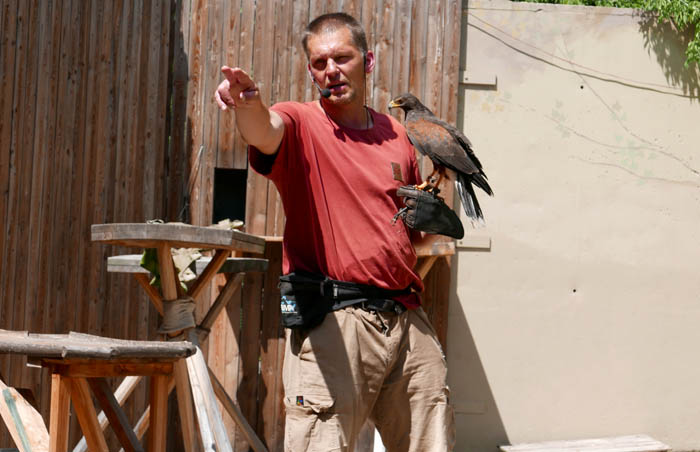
369,61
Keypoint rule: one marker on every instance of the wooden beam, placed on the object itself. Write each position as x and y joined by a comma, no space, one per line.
211,426
425,266
106,369
209,272
87,417
152,292
60,413
232,286
113,411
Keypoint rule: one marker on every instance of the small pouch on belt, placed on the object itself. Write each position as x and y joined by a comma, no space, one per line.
302,302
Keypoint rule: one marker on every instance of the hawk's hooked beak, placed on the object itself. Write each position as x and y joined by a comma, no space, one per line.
393,104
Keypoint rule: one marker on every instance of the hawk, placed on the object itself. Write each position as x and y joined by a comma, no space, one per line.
447,148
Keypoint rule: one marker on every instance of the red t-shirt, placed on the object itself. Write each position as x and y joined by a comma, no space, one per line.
338,188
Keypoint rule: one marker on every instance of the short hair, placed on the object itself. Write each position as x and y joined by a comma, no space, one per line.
331,22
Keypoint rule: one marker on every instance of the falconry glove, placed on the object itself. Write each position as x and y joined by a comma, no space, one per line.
426,212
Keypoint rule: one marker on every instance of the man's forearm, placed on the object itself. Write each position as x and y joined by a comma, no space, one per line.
260,127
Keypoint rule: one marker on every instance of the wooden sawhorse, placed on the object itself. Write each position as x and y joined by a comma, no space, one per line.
79,364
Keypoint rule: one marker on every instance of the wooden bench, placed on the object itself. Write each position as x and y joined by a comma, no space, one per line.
79,364
631,443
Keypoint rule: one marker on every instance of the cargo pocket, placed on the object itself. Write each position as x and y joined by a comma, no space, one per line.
311,425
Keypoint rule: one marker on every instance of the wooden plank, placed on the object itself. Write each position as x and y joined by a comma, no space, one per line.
384,48
131,263
126,387
236,414
185,406
249,349
205,426
158,413
272,343
629,443
60,413
197,369
95,369
85,411
425,265
113,411
24,422
144,235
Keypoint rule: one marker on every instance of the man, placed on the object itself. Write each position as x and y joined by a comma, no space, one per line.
337,165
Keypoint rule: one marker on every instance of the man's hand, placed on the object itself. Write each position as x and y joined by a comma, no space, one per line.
237,90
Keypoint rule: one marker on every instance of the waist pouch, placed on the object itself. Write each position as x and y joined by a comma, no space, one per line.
306,298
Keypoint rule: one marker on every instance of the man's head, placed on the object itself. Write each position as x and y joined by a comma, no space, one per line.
332,22
338,59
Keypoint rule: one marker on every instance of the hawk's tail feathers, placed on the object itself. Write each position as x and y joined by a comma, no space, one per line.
468,198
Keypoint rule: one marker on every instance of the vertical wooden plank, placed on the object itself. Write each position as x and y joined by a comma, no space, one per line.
402,52
271,391
227,156
197,54
301,89
249,347
369,22
60,413
178,123
451,43
384,49
26,86
229,324
159,413
8,54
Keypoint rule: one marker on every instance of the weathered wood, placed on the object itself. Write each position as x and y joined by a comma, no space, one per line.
425,265
151,291
631,443
145,235
78,345
168,277
203,393
24,422
206,431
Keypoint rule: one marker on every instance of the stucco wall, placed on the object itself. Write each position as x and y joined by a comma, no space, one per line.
582,318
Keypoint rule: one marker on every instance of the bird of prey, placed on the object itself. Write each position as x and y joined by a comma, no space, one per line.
448,148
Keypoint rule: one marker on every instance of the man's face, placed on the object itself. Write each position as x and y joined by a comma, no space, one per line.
337,64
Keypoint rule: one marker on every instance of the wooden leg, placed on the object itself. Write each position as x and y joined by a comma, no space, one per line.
87,416
159,413
60,413
185,406
115,414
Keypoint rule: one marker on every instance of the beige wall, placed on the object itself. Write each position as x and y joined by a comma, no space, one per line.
582,319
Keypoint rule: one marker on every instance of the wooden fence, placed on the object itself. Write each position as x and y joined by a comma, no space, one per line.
107,115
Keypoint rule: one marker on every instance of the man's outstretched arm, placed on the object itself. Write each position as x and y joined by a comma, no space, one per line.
259,126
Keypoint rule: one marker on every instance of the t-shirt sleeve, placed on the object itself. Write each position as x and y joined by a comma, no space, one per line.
270,165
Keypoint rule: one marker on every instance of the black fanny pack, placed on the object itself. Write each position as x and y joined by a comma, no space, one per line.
306,298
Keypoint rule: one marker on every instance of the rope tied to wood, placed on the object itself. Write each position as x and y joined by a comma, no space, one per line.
177,315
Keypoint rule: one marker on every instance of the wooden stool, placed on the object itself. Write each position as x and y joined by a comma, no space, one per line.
79,363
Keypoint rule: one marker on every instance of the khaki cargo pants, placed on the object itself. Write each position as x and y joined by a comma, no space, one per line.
358,365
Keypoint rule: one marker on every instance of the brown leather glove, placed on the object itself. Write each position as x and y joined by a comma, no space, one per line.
426,212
